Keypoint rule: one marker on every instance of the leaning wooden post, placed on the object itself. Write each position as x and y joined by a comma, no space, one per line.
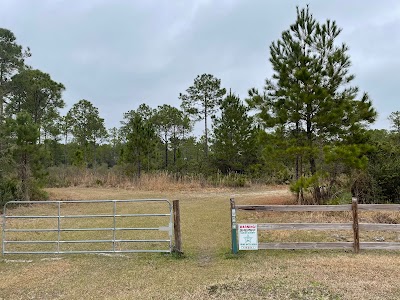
233,227
177,227
356,229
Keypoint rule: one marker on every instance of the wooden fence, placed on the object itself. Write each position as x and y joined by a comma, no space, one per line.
356,245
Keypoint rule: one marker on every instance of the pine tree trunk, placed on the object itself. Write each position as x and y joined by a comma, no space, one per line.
313,165
297,164
166,151
174,149
1,94
302,201
205,126
94,155
297,179
174,155
317,190
65,150
1,107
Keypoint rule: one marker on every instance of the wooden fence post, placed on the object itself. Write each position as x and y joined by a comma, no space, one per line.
233,227
356,229
177,227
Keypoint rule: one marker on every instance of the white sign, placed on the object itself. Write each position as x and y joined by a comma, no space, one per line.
248,237
233,218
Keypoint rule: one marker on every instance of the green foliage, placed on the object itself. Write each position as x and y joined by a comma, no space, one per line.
141,141
12,58
115,142
234,140
87,127
33,103
352,156
201,100
394,119
275,160
365,187
307,184
53,151
190,157
171,125
228,180
24,134
86,124
384,168
38,194
78,159
8,190
309,93
34,91
341,198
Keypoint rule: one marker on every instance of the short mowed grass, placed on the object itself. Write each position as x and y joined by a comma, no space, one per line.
207,270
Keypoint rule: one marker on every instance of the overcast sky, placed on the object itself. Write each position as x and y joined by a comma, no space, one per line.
121,53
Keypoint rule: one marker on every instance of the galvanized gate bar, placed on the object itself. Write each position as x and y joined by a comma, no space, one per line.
82,241
89,251
86,216
113,229
81,229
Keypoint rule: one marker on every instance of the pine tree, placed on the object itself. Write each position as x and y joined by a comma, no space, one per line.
25,134
394,119
12,58
34,91
140,141
310,93
171,124
234,143
87,126
201,101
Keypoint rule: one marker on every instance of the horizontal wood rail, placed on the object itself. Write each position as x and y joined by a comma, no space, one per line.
305,226
295,207
355,226
376,207
328,226
309,245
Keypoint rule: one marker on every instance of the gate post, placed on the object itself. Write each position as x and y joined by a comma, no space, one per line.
177,227
234,246
356,230
3,234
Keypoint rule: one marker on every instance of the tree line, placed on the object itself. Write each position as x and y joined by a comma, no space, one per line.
308,126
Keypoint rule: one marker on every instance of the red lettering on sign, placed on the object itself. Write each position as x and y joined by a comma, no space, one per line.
247,226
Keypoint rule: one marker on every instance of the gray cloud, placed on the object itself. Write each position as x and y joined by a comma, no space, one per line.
121,53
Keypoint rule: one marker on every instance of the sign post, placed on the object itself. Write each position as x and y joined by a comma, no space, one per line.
248,237
233,228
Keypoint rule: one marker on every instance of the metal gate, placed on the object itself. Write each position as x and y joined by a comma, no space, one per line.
69,227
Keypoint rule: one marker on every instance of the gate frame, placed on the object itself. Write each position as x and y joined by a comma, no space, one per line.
114,229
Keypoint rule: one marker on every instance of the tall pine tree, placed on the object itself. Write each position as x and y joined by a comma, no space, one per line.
201,101
234,143
140,141
310,92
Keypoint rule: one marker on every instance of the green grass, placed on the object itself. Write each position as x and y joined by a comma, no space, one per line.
207,270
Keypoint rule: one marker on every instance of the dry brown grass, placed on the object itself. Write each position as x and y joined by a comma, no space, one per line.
103,177
116,177
207,271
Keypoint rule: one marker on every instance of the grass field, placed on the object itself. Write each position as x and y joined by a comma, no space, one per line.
208,270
